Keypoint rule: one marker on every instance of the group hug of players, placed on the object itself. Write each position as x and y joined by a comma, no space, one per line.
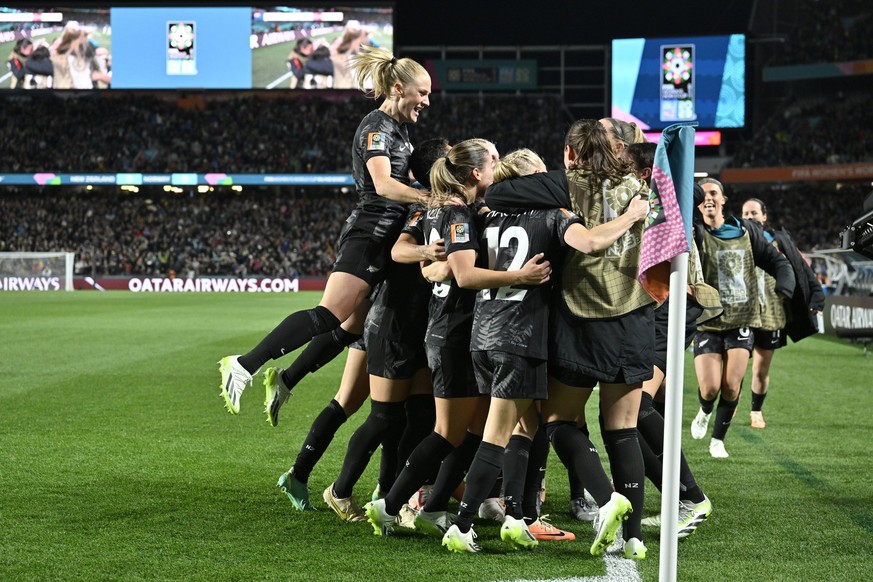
482,309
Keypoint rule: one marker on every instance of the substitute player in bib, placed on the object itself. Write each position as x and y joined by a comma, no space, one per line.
778,320
730,249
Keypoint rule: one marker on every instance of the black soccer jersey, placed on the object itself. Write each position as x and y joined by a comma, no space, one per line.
516,319
450,315
380,135
399,312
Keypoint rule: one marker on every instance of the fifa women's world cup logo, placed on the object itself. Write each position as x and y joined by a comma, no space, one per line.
677,83
615,201
731,283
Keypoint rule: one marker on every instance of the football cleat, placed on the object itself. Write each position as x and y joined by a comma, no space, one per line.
383,523
544,531
516,533
347,509
691,515
456,541
582,509
297,491
233,381
717,450
492,509
635,549
757,418
700,424
277,394
434,522
609,519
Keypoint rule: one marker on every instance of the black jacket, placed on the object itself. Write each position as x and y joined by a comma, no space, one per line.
808,297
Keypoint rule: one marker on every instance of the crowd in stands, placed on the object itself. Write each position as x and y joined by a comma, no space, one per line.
292,133
812,131
248,234
823,31
282,233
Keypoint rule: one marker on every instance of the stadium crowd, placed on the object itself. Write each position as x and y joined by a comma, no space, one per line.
224,234
290,134
811,131
823,32
280,233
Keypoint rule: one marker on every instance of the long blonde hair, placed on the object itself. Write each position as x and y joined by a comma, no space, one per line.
384,69
448,175
520,162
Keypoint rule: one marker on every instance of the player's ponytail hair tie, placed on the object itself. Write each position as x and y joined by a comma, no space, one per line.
393,60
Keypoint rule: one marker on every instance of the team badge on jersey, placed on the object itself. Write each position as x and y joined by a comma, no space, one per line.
460,233
415,219
375,141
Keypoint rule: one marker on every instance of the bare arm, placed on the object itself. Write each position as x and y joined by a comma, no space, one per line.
439,272
407,250
603,235
469,276
387,187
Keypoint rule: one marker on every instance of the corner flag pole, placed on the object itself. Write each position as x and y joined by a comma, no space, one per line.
683,174
673,418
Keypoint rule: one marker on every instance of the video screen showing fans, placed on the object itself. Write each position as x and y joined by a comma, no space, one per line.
56,48
194,47
309,48
657,82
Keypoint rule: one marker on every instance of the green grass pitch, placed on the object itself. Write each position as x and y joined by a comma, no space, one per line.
118,461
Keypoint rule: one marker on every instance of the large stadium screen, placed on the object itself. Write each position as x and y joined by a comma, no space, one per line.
657,82
179,47
309,48
61,48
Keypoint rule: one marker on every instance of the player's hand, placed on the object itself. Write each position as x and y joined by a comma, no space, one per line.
535,273
435,251
638,208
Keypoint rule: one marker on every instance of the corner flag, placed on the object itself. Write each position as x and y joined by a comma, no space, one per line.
668,227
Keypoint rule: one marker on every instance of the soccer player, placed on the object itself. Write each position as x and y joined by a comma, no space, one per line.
730,249
393,324
380,154
774,313
457,181
510,339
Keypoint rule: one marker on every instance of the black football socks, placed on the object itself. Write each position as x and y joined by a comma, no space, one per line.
294,331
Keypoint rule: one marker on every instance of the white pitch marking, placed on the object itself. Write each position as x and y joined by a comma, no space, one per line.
279,80
618,569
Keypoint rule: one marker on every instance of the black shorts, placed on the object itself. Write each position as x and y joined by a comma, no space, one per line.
583,352
364,246
719,342
359,344
769,340
505,375
451,372
393,360
692,312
